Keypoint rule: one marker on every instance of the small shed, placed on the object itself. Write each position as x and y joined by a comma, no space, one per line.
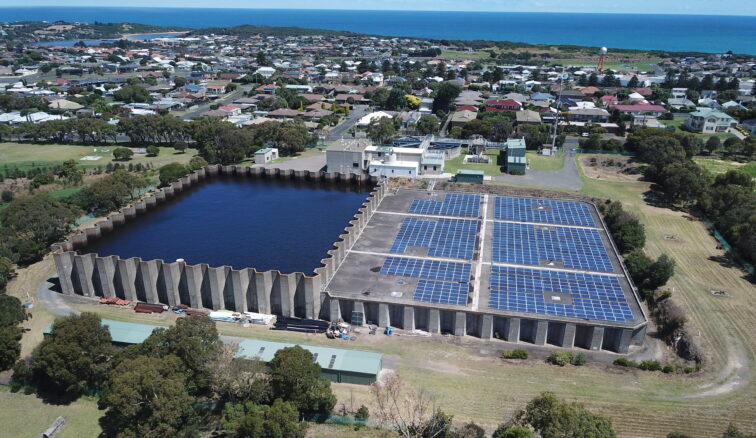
469,176
266,155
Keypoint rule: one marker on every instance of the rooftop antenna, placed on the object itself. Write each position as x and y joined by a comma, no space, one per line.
602,56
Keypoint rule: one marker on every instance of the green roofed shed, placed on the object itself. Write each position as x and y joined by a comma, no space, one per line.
469,176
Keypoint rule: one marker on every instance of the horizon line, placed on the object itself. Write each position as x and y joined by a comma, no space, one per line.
367,10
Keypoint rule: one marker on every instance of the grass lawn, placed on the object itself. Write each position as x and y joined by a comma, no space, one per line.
490,169
65,192
27,156
542,162
26,416
722,166
309,152
631,65
454,54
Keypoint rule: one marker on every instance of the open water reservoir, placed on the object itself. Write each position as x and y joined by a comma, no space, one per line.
243,223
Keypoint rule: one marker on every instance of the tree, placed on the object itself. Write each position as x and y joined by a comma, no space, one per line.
132,94
40,218
733,432
509,431
12,312
238,380
197,163
6,270
445,95
660,271
555,418
628,232
75,357
180,146
428,124
109,193
10,346
713,144
501,129
147,397
470,430
172,172
153,151
637,263
410,412
381,130
122,154
296,377
280,420
194,341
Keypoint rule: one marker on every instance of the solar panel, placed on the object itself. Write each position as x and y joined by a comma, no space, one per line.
451,238
454,204
546,211
428,269
526,244
598,297
442,292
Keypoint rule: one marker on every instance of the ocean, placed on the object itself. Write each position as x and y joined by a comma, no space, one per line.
715,34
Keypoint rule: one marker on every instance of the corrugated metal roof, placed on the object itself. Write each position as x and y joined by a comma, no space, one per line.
355,361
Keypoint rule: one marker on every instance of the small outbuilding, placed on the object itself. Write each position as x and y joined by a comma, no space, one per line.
266,155
469,176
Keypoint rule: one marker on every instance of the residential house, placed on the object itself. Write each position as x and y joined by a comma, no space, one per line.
503,105
709,120
528,117
592,115
648,109
460,118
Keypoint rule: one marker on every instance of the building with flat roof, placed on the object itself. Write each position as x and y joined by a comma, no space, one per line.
347,155
469,176
515,151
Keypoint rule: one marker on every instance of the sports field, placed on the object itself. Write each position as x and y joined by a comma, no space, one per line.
25,156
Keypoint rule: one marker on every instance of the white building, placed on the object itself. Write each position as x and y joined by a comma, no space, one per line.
266,155
709,120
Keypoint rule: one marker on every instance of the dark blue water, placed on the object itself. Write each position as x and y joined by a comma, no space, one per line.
631,31
241,223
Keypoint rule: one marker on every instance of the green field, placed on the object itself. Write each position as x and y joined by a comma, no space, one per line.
630,65
453,54
542,162
26,156
490,169
309,152
722,166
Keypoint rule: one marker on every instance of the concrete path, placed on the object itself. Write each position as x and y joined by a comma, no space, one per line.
566,178
357,113
53,301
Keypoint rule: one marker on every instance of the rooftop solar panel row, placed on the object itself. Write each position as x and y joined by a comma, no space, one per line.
546,211
527,244
451,238
454,204
442,292
580,308
427,269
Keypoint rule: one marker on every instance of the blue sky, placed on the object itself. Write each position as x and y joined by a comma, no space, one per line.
704,7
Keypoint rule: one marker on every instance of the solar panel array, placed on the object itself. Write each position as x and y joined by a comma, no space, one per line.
451,238
526,244
454,204
428,269
598,297
443,292
552,212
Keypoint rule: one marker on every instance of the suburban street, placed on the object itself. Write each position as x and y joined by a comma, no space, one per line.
338,131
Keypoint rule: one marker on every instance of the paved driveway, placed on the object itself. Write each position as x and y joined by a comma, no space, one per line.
566,178
313,163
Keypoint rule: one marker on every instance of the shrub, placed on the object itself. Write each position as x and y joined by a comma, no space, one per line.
180,146
650,365
560,358
362,413
7,196
122,153
171,172
517,353
153,151
516,172
625,362
668,369
579,360
688,370
197,163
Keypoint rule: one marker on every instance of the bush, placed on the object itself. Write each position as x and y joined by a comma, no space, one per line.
197,163
171,172
362,413
153,151
517,353
625,362
579,360
650,365
688,370
516,172
667,369
7,196
180,146
560,358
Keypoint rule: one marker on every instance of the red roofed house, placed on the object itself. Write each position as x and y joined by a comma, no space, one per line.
609,100
503,105
644,108
468,108
645,92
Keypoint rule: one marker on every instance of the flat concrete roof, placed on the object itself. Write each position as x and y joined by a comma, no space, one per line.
359,277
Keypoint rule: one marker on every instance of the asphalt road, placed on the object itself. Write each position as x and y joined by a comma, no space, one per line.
228,99
338,131
565,178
